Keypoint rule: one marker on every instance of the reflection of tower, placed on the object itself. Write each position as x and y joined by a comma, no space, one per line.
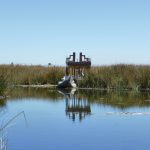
77,108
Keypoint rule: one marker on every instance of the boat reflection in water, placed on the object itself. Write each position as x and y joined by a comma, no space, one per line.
75,107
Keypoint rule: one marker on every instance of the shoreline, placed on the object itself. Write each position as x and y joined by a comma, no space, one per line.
37,86
80,88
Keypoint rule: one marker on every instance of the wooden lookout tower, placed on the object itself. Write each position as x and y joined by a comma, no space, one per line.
77,67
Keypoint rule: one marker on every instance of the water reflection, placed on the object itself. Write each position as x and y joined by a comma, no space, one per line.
3,136
75,107
35,93
3,139
2,107
46,110
116,99
4,129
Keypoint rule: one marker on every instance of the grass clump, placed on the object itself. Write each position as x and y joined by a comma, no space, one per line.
3,85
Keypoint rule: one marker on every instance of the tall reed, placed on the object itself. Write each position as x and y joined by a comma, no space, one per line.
3,82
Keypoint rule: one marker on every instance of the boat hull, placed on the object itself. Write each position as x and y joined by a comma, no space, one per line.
67,83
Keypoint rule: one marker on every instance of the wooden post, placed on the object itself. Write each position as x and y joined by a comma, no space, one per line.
80,57
74,56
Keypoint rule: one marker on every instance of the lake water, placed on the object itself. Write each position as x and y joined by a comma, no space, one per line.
46,119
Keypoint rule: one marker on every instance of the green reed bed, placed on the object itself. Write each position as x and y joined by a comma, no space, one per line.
28,75
120,77
3,86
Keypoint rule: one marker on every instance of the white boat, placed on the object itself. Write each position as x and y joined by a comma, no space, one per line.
67,82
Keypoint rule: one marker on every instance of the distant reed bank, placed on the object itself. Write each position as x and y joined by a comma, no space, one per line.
119,76
27,75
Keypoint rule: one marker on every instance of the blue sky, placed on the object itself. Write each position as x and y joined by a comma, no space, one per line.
43,31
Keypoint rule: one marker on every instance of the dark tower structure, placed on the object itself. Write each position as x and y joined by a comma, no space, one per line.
77,67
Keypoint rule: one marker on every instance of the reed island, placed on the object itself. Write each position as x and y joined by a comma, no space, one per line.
118,76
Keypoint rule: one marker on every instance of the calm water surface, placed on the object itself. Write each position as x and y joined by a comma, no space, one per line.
42,119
